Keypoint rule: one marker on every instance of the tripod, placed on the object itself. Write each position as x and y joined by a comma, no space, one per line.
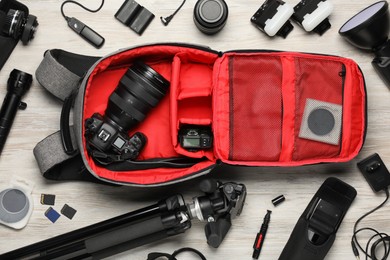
172,216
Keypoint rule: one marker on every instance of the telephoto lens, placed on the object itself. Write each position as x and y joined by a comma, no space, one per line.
19,83
18,26
139,90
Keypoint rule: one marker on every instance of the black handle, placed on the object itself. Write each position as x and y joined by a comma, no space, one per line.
216,231
66,136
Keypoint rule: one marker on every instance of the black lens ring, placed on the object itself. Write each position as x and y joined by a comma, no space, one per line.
149,87
139,91
29,29
153,76
133,100
14,23
126,107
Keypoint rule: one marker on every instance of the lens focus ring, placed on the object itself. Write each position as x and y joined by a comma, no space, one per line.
13,23
139,90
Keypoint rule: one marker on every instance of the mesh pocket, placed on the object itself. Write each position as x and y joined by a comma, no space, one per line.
319,91
255,108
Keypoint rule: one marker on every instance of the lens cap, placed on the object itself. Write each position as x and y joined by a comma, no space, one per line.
210,15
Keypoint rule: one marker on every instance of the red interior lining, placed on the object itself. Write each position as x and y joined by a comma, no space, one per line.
318,80
255,108
321,67
353,100
199,94
156,126
191,101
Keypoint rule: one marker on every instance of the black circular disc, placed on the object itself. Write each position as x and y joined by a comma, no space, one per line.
321,121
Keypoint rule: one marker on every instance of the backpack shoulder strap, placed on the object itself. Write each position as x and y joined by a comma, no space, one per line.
60,72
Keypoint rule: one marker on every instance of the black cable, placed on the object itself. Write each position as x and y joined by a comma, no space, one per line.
156,255
82,6
167,19
381,238
189,249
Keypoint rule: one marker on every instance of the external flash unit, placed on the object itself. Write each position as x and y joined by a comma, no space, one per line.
313,15
368,30
273,18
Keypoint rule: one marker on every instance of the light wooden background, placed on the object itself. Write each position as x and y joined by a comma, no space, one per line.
95,203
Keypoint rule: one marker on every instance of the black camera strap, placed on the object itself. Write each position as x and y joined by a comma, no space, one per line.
123,162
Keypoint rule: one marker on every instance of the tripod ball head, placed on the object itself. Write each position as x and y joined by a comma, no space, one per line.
221,203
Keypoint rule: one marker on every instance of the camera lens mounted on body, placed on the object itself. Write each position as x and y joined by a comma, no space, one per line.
138,91
18,26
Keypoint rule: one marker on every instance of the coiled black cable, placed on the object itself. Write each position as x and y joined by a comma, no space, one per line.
375,241
82,6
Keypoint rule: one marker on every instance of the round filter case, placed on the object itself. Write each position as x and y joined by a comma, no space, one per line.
321,122
15,207
210,15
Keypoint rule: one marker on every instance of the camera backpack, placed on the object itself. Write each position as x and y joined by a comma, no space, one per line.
265,108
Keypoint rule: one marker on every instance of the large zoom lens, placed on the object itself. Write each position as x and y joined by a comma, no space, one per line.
139,90
18,26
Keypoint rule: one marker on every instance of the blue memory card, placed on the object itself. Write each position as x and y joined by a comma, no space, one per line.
52,215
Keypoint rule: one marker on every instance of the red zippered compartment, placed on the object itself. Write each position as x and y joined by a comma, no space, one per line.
252,100
157,125
271,89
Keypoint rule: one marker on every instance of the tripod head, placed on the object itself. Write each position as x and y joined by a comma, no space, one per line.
221,203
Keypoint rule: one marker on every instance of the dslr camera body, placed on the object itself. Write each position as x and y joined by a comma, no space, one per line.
15,24
139,90
108,137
